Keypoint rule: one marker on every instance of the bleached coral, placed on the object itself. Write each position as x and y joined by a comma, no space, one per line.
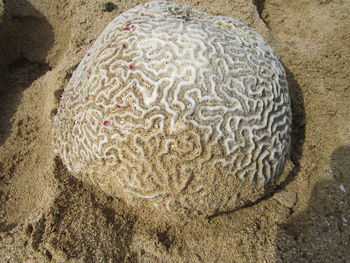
178,108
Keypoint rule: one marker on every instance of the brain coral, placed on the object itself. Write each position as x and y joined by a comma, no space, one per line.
176,109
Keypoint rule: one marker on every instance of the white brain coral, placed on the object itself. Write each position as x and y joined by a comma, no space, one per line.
177,108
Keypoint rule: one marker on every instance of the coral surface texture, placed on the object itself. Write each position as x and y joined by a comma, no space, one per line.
178,109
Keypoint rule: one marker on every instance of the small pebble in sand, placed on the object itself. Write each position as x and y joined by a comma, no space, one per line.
109,7
342,188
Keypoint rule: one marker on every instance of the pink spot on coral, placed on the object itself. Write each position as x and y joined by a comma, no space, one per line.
131,67
108,153
129,25
105,123
118,106
164,204
103,159
89,74
125,46
88,54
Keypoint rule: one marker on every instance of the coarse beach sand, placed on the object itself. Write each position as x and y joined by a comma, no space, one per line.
47,215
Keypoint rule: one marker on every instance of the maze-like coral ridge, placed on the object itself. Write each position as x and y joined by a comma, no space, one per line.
169,101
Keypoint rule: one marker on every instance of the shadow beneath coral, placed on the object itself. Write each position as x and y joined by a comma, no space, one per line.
26,38
260,6
298,127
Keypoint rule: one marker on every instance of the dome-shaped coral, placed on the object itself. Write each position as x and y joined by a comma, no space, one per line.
177,108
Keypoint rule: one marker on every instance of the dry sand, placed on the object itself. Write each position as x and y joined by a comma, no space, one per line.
47,215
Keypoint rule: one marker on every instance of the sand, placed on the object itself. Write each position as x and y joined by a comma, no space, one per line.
2,9
47,215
